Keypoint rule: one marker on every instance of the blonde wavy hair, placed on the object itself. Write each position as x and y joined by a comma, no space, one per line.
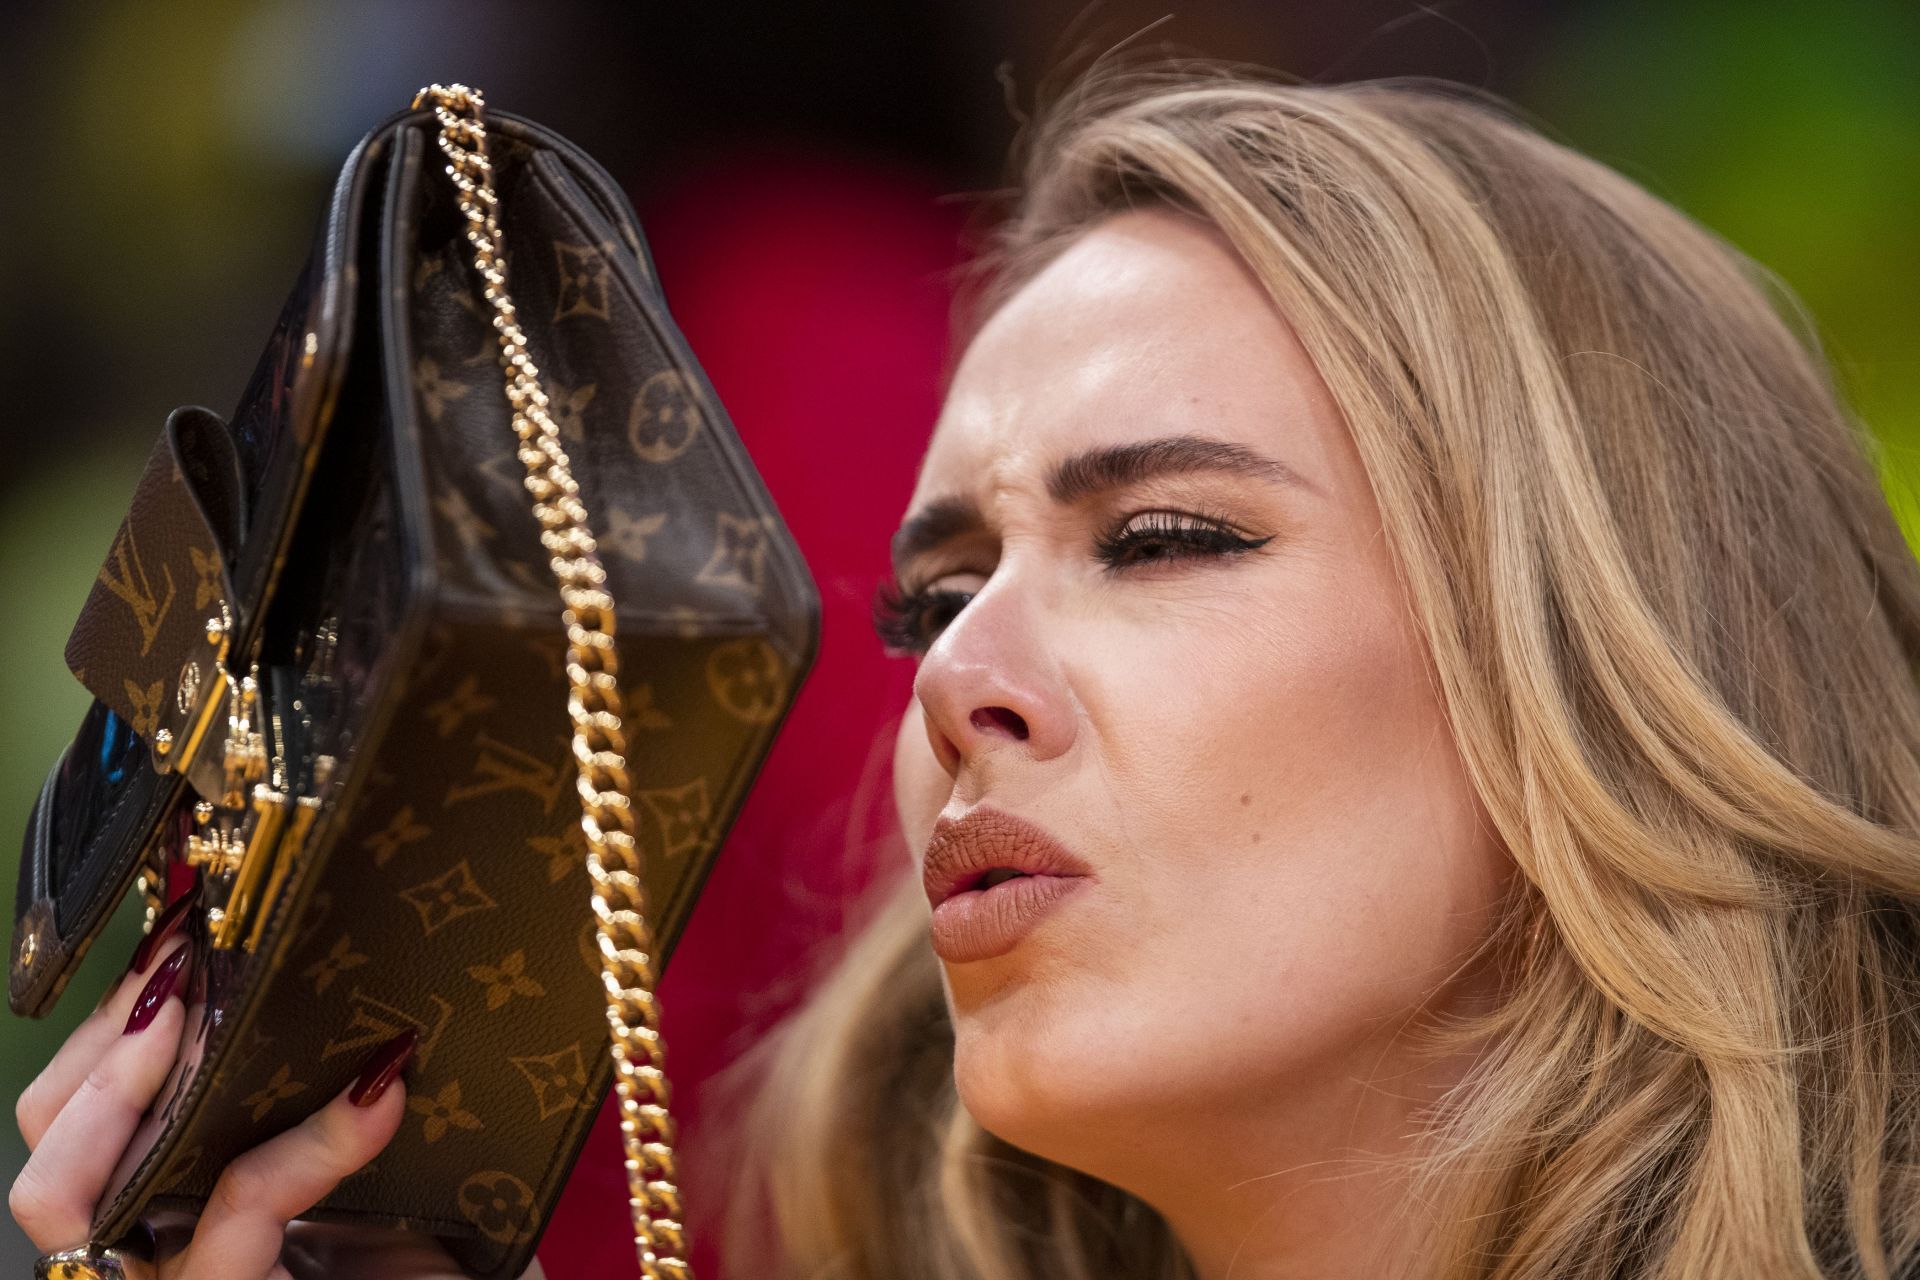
1675,626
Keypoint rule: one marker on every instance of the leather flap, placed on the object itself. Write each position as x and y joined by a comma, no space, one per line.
85,841
142,642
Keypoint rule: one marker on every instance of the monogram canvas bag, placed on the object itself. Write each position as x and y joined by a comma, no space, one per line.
356,684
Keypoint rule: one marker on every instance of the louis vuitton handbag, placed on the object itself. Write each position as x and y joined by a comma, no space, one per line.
354,667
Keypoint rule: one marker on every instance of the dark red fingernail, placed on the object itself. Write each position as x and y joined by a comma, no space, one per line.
155,993
165,925
382,1066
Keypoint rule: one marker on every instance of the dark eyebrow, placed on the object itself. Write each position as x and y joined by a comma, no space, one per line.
933,524
1093,471
1106,467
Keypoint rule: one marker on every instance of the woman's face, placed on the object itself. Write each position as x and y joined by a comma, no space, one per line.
1191,664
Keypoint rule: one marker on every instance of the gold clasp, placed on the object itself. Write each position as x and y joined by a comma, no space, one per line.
243,852
241,818
190,714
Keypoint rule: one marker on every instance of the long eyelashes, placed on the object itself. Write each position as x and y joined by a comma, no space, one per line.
908,622
1169,535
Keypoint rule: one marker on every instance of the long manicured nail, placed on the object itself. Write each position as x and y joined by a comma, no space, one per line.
382,1065
165,925
155,993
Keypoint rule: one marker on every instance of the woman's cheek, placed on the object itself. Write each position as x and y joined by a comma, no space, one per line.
1218,721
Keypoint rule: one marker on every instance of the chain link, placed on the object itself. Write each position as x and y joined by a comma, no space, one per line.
595,705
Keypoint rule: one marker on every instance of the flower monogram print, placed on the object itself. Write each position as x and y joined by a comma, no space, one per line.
557,1079
145,707
683,813
583,281
447,897
567,406
627,535
402,830
739,555
280,1087
747,678
506,980
337,961
663,419
565,853
206,577
442,1111
466,701
497,1204
436,392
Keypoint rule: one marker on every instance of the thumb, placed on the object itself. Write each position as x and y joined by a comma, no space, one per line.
241,1232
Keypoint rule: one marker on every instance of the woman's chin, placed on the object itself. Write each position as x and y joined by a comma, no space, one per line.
1044,1096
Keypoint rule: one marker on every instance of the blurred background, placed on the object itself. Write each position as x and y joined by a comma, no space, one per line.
804,173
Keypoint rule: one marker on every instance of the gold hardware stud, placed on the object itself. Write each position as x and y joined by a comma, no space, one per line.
203,811
245,758
216,628
188,688
162,741
220,852
29,948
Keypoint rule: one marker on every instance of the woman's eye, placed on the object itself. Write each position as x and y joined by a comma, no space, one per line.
908,622
1170,535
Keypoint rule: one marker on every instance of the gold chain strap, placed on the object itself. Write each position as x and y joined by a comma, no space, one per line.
596,707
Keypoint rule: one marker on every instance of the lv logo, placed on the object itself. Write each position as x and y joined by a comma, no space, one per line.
507,768
375,1022
127,578
145,704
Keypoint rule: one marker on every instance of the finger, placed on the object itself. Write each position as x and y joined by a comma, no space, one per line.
48,1092
53,1197
244,1225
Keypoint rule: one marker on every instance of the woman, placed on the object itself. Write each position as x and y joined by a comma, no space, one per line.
1431,638
1450,624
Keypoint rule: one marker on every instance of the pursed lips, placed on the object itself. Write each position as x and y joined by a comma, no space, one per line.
962,851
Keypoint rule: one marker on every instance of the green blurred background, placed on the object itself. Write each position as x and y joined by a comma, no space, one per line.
166,162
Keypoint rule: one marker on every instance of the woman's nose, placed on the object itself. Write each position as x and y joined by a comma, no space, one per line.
993,682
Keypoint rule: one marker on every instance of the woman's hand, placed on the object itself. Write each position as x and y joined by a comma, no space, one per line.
80,1112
